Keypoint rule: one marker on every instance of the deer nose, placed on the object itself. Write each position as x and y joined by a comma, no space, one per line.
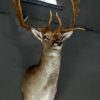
59,43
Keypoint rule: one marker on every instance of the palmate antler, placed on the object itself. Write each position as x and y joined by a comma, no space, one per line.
75,13
19,14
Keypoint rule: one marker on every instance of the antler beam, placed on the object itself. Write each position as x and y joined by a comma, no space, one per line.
61,30
19,14
75,11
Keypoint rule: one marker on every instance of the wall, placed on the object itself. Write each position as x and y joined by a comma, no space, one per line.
19,49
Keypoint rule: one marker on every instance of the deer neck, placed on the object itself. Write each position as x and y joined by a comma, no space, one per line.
50,60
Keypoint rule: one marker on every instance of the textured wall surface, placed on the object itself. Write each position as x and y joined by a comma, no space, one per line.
80,67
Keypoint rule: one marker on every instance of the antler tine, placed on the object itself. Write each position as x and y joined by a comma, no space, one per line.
60,23
46,28
76,10
73,29
50,19
19,14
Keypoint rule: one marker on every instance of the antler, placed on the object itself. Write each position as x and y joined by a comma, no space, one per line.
60,23
61,30
19,14
76,11
46,28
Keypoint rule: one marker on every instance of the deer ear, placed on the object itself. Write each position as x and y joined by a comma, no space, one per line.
66,35
37,34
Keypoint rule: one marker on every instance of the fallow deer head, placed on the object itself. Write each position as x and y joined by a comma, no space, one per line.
50,38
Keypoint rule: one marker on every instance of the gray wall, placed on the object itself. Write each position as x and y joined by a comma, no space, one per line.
80,66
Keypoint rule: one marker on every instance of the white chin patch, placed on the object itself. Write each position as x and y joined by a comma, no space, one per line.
57,47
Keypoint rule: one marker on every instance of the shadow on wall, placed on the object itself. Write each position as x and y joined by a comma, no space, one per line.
18,50
24,41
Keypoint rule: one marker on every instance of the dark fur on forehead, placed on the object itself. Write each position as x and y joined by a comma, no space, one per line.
54,35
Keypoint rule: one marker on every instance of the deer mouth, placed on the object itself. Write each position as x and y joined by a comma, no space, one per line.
57,47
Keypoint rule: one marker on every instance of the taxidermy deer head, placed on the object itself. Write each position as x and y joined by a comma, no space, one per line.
40,81
46,34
